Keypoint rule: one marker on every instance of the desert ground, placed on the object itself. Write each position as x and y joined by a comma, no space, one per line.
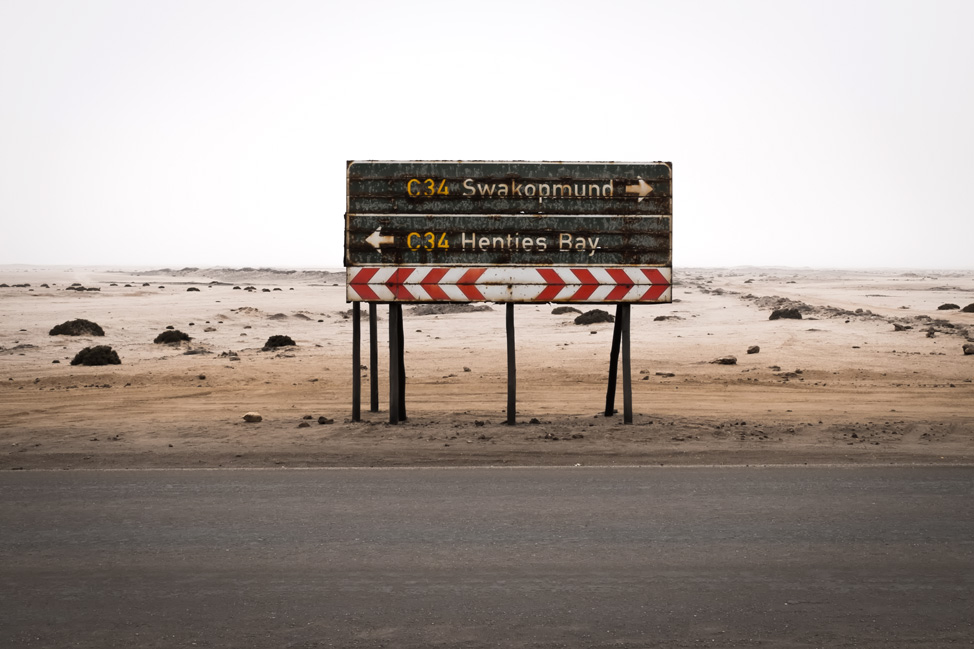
874,372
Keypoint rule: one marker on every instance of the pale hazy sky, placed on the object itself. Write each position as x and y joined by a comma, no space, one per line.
204,133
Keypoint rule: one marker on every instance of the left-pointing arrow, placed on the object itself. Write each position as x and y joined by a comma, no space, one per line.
377,239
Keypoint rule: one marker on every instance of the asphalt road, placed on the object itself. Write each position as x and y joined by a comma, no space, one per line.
572,557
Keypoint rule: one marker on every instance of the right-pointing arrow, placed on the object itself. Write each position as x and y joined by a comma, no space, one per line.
643,189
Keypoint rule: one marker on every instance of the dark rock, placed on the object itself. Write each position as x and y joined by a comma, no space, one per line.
594,316
447,308
80,327
969,349
725,360
948,307
969,308
304,424
753,349
97,355
789,314
325,420
562,310
171,336
192,289
278,341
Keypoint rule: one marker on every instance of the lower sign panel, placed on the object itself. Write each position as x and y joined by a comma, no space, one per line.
509,284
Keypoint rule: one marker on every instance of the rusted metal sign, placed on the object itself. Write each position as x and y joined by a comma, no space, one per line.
379,187
537,240
609,224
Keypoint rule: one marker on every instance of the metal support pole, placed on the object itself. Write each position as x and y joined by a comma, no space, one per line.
610,392
393,365
356,362
626,366
373,359
402,365
511,369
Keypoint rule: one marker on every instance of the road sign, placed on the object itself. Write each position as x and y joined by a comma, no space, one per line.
500,284
531,240
376,187
535,231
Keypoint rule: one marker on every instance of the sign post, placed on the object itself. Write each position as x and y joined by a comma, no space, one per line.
509,232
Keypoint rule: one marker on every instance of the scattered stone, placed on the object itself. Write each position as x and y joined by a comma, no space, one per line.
447,308
788,313
252,417
534,420
325,420
466,369
562,310
202,377
594,316
304,424
97,355
948,307
900,327
666,375
80,327
209,329
969,349
192,289
753,349
969,308
277,316
725,360
278,341
171,337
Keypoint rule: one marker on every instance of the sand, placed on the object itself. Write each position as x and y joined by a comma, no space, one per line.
841,385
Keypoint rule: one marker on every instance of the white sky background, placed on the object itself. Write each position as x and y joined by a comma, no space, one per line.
203,133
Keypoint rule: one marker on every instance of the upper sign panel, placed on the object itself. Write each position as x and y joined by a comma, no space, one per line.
441,187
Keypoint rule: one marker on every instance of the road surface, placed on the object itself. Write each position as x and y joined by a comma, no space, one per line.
569,557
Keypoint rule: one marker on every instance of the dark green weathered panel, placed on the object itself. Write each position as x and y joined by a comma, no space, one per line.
488,240
509,188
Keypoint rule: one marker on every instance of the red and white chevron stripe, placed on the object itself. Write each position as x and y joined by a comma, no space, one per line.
508,284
